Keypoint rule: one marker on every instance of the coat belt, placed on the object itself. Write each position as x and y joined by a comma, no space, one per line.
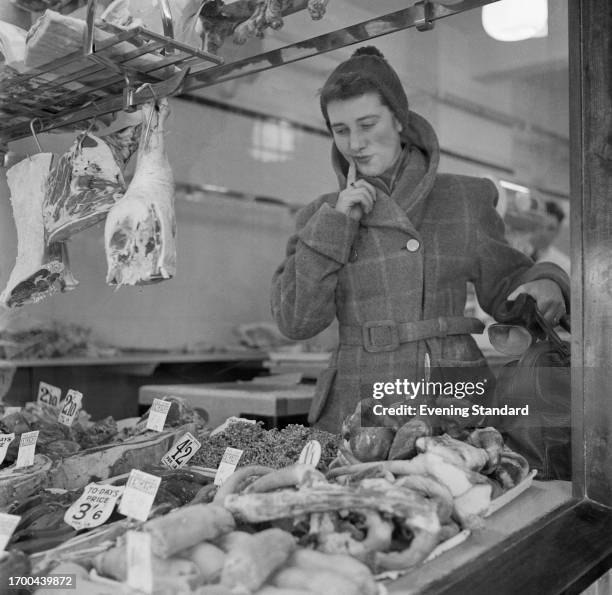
386,335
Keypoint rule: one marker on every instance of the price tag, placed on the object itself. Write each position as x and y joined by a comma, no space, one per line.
311,453
27,446
181,452
139,561
70,407
139,494
7,373
8,524
5,441
228,464
94,506
157,414
49,394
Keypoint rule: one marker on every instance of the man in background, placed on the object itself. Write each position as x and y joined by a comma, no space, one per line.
542,241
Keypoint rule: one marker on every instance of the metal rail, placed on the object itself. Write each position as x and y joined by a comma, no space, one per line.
421,16
104,80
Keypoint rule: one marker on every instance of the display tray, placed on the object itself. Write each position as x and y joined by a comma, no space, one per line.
497,504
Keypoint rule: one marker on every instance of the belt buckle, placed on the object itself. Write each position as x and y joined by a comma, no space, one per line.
373,347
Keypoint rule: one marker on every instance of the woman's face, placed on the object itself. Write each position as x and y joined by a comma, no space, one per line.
366,131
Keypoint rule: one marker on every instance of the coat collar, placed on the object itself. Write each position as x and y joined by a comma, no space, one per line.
388,211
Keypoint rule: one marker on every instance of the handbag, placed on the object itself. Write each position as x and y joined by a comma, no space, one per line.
540,380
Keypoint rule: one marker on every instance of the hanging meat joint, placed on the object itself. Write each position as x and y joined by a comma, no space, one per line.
86,182
140,230
39,270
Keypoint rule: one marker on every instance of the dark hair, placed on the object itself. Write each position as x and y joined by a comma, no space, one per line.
349,86
366,71
552,208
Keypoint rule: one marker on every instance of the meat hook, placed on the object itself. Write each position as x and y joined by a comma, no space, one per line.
40,150
150,118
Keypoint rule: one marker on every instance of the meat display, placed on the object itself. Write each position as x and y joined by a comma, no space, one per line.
245,19
39,270
86,182
140,230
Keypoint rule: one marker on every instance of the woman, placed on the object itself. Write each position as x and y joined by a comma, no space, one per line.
390,253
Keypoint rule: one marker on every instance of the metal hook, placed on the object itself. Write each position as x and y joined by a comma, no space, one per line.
150,118
128,93
40,150
151,88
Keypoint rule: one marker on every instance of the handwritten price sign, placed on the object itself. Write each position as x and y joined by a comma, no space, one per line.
181,452
157,415
228,464
71,406
49,394
139,495
94,506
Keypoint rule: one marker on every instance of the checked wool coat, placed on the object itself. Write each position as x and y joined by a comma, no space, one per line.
408,260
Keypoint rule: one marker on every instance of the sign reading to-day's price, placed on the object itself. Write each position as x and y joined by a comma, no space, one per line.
27,448
93,507
182,451
228,464
49,394
8,524
5,441
139,561
139,494
70,407
157,414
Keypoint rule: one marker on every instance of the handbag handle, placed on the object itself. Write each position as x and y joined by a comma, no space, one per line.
524,312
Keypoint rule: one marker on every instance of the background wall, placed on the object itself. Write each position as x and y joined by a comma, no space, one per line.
489,103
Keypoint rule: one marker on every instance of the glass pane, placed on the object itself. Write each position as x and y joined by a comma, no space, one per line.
390,301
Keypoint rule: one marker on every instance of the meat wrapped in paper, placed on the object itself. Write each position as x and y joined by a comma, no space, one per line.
39,270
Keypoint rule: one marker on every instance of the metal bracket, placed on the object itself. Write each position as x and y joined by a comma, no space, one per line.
128,93
425,22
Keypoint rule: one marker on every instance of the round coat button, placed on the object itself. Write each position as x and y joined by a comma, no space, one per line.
412,245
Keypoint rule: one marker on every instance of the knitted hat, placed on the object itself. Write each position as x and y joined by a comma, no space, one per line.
368,66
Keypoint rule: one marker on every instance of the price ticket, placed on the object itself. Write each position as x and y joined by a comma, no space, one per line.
8,524
311,453
139,561
228,464
157,414
139,494
27,447
5,441
49,394
94,506
182,451
70,407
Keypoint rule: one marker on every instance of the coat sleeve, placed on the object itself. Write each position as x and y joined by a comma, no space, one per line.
304,286
501,268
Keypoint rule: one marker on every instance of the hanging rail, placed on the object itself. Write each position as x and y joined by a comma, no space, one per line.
99,79
421,16
100,85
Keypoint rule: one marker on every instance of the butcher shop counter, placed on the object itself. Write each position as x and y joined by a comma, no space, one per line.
110,384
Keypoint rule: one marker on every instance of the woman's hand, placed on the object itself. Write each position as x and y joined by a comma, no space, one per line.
548,296
358,197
